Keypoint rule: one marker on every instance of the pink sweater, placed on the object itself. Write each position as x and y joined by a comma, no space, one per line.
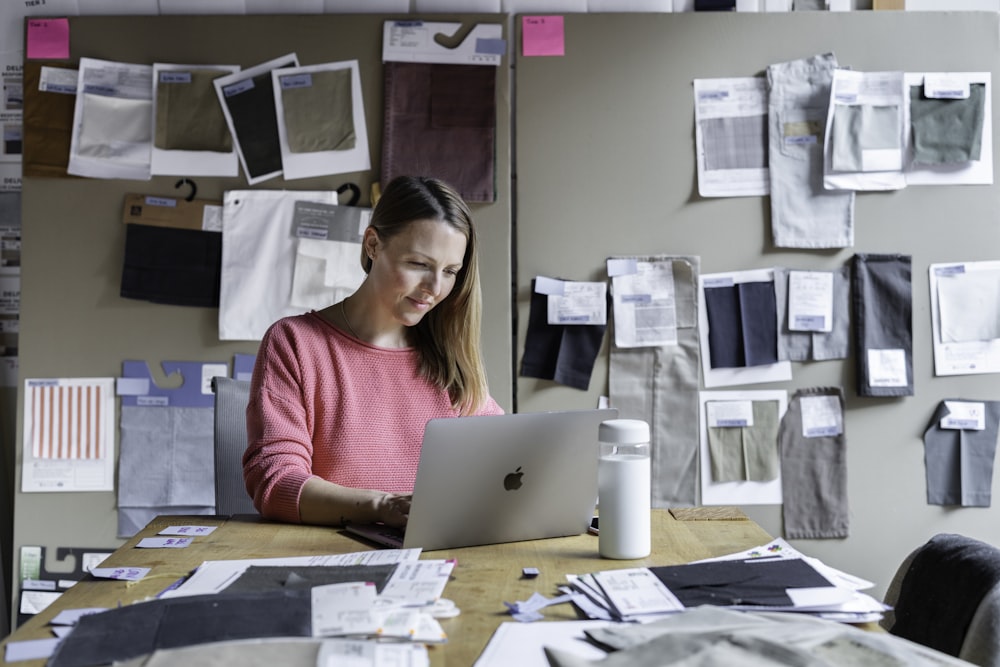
325,404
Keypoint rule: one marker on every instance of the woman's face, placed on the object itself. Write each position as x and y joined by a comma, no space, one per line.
416,269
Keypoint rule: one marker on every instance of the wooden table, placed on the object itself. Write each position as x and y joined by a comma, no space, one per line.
482,580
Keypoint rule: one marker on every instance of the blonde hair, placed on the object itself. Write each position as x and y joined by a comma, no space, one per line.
448,338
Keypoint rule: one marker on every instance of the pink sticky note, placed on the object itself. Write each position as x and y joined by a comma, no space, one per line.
542,36
48,38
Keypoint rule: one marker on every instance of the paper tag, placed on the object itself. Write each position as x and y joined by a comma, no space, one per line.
193,531
579,303
413,41
344,609
886,368
810,301
209,371
821,416
328,222
164,542
729,414
120,573
946,86
965,415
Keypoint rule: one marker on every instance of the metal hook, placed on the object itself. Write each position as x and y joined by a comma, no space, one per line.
194,188
355,193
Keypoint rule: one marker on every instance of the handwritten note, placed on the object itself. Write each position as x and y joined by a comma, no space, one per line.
542,36
187,530
48,38
164,542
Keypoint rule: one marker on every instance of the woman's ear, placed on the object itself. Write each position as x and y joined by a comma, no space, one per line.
370,242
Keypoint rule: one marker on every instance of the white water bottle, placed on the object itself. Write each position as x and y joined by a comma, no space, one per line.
623,481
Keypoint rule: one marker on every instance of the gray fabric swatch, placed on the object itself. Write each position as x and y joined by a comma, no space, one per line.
947,131
959,462
813,475
815,345
660,385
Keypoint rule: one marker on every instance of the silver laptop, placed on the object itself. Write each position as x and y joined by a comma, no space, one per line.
501,478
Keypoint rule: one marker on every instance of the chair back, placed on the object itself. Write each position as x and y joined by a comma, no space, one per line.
946,595
231,398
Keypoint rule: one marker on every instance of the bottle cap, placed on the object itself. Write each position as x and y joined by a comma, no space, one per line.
625,431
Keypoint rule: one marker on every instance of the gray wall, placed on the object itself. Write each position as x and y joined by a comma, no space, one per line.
73,321
606,166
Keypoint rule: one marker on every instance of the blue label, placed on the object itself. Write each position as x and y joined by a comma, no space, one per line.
494,47
296,81
238,87
731,422
175,77
98,90
822,431
812,322
161,201
152,401
578,319
713,95
60,88
801,141
637,298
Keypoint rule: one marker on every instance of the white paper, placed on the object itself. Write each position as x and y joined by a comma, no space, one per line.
886,368
119,7
637,591
742,492
417,582
960,357
729,414
968,303
810,301
644,304
202,7
31,649
574,302
741,98
522,644
12,105
188,531
822,416
964,415
780,371
120,573
977,172
59,451
344,609
321,163
880,168
164,543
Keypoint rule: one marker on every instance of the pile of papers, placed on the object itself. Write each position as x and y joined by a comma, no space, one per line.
364,596
773,577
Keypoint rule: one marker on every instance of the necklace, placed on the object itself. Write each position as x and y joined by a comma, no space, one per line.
343,312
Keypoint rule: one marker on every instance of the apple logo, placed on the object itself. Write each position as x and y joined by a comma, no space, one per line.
512,480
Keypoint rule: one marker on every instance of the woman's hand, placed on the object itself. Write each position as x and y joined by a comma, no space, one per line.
394,510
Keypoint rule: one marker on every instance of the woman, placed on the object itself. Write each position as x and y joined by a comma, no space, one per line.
339,397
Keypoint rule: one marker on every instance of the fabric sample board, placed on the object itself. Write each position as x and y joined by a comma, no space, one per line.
440,121
747,453
813,473
563,353
660,386
815,345
947,131
172,266
883,324
959,461
742,324
803,213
